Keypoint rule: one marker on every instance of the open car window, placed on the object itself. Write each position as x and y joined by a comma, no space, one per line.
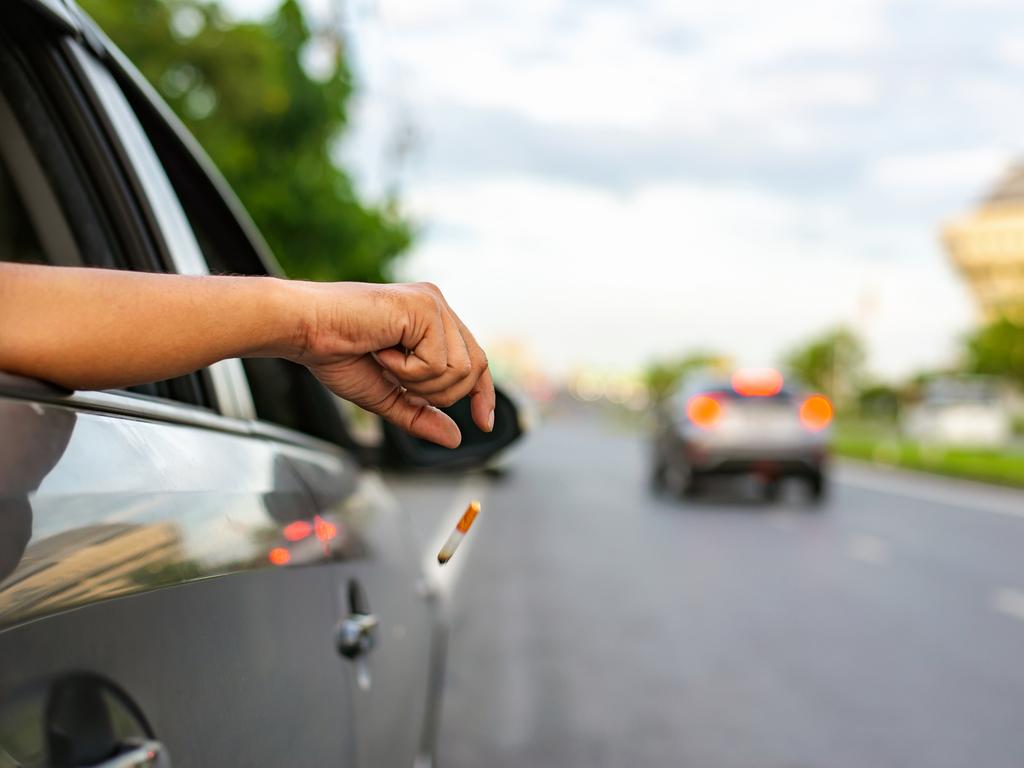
61,203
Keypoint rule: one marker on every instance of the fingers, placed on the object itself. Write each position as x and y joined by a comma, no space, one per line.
483,402
366,384
423,420
482,391
402,353
423,351
464,371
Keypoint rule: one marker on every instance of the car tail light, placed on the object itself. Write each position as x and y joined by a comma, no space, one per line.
279,556
298,530
325,531
704,410
757,382
816,413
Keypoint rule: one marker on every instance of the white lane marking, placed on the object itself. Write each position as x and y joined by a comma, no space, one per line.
444,577
965,494
1009,602
868,549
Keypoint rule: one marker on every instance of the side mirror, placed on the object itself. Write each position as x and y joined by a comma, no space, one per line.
402,451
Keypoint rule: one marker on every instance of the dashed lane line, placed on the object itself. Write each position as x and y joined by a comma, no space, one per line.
1009,602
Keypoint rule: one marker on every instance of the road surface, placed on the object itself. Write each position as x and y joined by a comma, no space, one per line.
596,624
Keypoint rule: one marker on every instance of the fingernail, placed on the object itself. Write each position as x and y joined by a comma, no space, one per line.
490,421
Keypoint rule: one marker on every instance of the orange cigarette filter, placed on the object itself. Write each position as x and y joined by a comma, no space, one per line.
461,528
468,517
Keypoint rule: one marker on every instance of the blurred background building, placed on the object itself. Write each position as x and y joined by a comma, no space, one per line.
987,247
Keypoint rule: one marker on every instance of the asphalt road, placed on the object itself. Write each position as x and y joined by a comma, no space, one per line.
596,624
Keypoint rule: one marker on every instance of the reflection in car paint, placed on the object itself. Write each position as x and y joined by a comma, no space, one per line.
78,524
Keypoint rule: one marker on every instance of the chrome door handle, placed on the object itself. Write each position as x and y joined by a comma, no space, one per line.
142,754
357,635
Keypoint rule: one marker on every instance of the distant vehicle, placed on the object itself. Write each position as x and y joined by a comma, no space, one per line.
752,423
962,410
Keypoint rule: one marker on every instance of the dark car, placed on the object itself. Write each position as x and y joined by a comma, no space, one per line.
206,570
751,423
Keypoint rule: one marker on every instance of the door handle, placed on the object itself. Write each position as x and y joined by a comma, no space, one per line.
357,635
142,754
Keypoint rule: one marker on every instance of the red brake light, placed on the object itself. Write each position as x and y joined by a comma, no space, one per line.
279,556
704,410
816,413
757,382
298,530
325,531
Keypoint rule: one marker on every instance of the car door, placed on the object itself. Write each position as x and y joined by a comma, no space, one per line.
398,683
140,596
308,504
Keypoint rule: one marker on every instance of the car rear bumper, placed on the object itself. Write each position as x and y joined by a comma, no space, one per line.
776,462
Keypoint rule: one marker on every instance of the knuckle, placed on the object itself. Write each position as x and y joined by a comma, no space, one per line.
429,287
436,367
480,362
445,399
387,405
425,300
464,367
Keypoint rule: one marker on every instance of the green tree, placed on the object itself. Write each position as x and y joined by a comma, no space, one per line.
662,376
997,349
271,127
832,363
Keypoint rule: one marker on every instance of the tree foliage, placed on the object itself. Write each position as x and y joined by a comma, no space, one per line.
271,128
663,376
832,363
997,348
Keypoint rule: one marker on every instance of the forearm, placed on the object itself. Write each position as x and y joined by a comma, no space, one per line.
96,329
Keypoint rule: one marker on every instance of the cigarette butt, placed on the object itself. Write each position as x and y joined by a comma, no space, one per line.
459,533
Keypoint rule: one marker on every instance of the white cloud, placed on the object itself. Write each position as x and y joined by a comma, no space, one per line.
811,150
967,170
617,67
1010,49
585,275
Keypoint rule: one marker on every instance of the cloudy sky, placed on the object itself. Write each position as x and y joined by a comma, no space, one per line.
614,181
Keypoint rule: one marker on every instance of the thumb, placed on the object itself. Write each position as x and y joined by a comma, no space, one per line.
420,419
377,394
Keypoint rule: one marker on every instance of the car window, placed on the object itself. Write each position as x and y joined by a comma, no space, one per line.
33,229
54,209
19,237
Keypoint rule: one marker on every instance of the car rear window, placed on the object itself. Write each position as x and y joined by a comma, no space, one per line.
726,392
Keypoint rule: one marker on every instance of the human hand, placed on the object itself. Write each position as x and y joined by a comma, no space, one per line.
398,351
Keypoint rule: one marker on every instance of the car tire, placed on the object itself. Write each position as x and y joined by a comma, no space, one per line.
658,476
680,481
817,487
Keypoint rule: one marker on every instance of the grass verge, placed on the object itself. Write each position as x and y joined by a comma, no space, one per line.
994,465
